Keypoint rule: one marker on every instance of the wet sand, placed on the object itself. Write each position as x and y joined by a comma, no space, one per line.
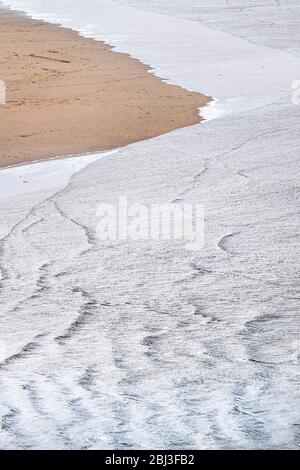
70,95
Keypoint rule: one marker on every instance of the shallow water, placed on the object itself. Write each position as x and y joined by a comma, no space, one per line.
148,345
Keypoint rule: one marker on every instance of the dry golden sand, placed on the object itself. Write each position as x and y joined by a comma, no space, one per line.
71,95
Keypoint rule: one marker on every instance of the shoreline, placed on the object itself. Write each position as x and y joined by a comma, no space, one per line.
68,95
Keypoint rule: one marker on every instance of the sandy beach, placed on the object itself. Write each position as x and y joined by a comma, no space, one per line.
70,95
